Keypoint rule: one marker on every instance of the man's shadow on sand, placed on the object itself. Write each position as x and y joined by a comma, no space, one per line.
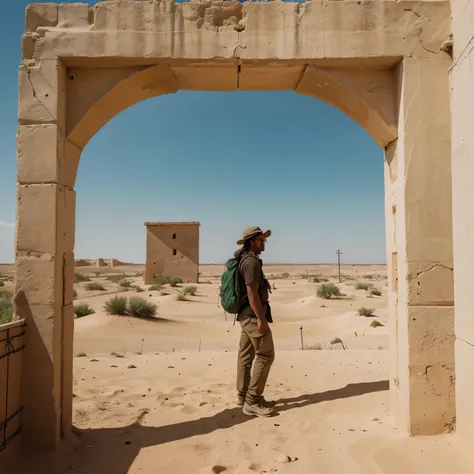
113,450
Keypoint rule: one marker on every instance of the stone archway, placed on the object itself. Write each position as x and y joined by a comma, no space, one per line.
380,62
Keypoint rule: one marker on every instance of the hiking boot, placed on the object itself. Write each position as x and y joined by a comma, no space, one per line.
257,409
262,401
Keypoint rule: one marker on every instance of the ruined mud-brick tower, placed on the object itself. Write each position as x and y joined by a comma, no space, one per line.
172,249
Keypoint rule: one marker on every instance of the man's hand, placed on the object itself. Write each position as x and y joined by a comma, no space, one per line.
263,327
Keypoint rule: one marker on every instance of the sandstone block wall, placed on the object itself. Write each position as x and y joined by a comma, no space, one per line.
462,109
172,249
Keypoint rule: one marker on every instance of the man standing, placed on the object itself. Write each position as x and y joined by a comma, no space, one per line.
256,340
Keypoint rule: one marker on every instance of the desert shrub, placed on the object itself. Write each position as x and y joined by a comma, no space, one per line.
367,312
314,347
320,279
141,308
163,280
74,294
6,306
363,286
117,278
116,305
190,290
285,275
78,277
175,281
376,324
2,283
156,287
126,284
83,310
95,287
369,277
181,297
326,290
376,292
138,289
336,340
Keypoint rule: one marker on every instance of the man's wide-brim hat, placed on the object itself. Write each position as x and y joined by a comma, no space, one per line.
251,232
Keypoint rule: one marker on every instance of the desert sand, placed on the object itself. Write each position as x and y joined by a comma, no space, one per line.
158,396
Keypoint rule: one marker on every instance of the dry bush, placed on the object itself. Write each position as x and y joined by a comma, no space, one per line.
95,287
117,278
141,308
116,305
326,290
82,310
367,312
79,277
376,324
6,306
190,290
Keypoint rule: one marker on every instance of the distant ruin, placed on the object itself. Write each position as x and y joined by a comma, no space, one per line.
172,249
99,262
388,65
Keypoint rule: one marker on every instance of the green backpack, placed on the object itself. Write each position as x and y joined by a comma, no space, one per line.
230,287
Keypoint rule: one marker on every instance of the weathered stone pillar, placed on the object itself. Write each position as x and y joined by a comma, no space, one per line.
419,236
390,181
44,251
462,100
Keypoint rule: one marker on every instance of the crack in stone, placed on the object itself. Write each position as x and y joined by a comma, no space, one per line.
431,385
414,13
432,267
466,342
422,272
35,97
238,45
239,69
429,50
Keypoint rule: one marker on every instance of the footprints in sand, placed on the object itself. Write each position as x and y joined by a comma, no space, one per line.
215,395
189,409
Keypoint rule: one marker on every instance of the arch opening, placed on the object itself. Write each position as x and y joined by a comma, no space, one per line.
384,67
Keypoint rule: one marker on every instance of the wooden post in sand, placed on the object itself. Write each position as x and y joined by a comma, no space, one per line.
339,253
302,345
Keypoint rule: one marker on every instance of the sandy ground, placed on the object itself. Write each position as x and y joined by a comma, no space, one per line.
159,396
175,413
201,323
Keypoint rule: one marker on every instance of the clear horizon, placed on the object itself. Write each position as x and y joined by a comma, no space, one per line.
278,160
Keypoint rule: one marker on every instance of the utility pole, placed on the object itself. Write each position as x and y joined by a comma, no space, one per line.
339,253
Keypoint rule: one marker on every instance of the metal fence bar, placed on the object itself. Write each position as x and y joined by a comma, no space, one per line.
10,350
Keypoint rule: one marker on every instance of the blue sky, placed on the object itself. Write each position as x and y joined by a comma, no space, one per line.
229,160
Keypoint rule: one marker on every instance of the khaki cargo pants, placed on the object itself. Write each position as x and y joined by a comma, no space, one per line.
253,345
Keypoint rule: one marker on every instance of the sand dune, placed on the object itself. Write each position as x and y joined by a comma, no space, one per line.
158,396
